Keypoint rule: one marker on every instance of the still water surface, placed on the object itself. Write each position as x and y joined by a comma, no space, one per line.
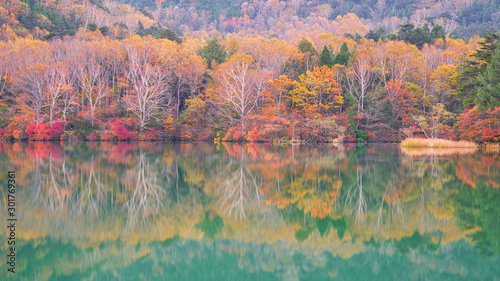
157,211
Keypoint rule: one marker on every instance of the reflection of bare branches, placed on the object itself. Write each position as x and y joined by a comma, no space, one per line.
239,191
57,198
360,206
395,206
53,187
37,180
89,199
379,217
291,273
147,195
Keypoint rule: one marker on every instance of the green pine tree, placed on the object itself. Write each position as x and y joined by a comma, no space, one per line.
325,58
140,29
213,51
92,26
170,35
488,96
438,32
343,56
467,81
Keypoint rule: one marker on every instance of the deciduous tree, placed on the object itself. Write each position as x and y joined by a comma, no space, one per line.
360,77
239,86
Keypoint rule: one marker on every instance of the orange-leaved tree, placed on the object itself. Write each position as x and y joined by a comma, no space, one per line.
317,92
274,103
402,103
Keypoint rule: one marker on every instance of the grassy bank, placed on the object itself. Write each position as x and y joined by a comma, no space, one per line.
437,143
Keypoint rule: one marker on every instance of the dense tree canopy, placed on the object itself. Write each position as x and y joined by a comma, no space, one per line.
314,82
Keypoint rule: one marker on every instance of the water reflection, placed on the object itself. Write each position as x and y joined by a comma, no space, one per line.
260,211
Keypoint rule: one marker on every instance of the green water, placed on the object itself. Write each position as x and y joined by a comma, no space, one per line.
157,211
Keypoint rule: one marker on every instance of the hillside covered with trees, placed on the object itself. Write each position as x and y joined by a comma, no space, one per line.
461,18
204,18
108,71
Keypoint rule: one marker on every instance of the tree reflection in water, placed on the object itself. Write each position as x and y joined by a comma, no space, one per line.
275,209
238,190
146,196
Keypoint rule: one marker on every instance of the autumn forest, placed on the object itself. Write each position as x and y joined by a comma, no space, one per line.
250,140
345,79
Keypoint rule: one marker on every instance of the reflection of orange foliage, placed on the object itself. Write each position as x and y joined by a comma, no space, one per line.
186,147
471,169
233,150
44,150
92,145
444,213
397,194
151,147
493,184
16,148
64,192
38,150
168,156
465,174
253,150
489,161
321,208
118,153
279,201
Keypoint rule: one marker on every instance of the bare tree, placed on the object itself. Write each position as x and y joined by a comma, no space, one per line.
150,95
360,77
239,191
94,82
149,74
240,86
31,82
58,85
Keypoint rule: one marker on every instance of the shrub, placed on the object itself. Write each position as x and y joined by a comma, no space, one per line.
71,136
19,135
235,133
123,134
108,136
186,135
57,129
150,135
8,132
350,138
323,129
371,136
121,127
82,127
93,137
169,126
229,134
253,135
39,131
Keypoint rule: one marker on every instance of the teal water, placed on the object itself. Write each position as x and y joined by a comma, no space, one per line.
158,211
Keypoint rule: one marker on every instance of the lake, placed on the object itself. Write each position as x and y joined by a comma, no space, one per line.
201,211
